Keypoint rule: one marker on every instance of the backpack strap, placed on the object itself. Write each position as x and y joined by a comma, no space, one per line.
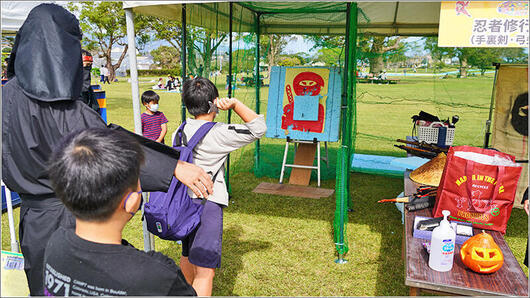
199,134
180,137
203,200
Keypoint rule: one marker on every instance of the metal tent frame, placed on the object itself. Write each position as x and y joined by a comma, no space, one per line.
274,18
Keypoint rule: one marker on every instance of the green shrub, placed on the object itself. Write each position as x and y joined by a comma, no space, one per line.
157,72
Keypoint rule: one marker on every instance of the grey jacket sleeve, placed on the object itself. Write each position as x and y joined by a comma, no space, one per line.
230,137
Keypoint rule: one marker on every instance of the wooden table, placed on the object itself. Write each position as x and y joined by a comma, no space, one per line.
510,280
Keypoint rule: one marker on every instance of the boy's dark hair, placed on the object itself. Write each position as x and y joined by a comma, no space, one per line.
149,96
91,170
196,95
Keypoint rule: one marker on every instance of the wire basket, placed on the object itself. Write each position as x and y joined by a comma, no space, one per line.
441,136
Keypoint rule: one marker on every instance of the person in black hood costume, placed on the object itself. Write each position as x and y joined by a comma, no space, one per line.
40,105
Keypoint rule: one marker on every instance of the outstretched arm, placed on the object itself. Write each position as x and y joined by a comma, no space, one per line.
240,108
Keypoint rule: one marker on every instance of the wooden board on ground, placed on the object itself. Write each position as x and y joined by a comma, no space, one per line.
305,156
293,190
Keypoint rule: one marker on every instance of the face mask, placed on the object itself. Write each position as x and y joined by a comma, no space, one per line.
141,201
153,108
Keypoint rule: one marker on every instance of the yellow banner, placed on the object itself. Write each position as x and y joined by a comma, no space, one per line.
483,24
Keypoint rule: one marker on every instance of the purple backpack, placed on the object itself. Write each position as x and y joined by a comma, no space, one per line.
173,215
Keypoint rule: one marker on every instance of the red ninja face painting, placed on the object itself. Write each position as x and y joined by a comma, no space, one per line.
305,83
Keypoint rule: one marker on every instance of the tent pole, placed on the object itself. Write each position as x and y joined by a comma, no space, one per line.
257,81
344,106
183,58
352,97
344,160
11,221
227,176
129,18
492,103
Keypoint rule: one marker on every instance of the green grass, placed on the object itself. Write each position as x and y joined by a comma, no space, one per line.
283,246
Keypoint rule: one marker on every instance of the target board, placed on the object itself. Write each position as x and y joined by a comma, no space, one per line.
304,103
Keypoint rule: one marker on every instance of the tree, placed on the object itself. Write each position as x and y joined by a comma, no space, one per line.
289,61
103,25
463,54
377,49
481,58
166,56
514,55
199,41
205,42
7,46
332,57
170,31
374,49
274,44
243,60
302,56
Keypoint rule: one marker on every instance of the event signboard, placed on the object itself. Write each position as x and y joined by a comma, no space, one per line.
489,24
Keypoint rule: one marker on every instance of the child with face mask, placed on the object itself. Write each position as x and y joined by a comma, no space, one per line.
154,125
96,173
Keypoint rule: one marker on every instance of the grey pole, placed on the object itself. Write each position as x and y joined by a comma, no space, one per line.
12,235
227,172
183,58
129,18
492,104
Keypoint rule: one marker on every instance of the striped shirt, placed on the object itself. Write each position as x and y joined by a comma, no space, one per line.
152,125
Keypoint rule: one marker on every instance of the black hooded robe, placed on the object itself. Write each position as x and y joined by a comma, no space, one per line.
40,105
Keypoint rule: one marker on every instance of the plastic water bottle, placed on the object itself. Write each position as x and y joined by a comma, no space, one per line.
442,245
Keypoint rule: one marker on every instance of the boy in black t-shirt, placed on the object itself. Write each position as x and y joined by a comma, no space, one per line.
95,174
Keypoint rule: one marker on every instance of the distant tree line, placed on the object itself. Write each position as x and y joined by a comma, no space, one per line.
103,25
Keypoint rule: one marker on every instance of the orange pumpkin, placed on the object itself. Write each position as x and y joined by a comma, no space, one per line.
481,254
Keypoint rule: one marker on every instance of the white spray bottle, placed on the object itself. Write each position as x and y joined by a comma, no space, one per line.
442,245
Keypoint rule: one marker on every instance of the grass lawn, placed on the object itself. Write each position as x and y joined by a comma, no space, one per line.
283,246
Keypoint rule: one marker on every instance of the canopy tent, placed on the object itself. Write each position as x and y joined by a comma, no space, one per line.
294,17
14,13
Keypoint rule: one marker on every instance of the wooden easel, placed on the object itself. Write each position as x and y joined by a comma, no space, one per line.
303,161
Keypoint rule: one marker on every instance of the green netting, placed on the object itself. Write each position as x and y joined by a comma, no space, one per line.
374,117
312,17
341,214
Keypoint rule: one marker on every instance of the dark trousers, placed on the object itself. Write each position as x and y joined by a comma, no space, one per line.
106,79
39,218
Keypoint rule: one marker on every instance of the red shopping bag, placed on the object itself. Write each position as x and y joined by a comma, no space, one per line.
478,186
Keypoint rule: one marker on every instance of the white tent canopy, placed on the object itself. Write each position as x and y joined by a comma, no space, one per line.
14,13
295,17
